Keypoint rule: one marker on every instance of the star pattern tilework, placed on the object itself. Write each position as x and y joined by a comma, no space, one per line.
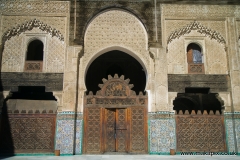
230,135
162,136
65,136
237,131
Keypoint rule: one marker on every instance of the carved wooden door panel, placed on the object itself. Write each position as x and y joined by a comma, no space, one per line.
110,123
93,130
115,119
121,130
116,130
138,129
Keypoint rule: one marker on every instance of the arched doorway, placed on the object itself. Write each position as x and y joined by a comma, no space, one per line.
115,62
115,117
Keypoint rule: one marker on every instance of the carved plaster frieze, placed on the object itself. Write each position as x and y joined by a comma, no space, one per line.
116,28
34,7
116,86
199,28
27,26
15,49
199,11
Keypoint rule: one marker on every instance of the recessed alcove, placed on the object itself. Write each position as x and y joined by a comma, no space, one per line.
198,99
32,93
35,51
115,62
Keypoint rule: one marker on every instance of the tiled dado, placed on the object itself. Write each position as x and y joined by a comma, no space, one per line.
162,135
232,123
69,137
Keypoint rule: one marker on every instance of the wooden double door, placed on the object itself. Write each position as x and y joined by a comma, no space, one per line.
116,130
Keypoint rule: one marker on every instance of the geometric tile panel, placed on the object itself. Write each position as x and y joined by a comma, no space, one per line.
65,133
230,135
65,136
162,135
78,142
237,131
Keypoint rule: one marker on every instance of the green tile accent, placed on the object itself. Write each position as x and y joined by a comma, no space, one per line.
34,154
66,155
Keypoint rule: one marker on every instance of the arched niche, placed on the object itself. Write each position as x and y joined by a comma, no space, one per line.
115,62
35,50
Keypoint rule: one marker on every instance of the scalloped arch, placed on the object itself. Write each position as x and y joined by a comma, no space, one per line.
29,25
200,28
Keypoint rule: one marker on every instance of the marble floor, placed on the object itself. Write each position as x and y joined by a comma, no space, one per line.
123,157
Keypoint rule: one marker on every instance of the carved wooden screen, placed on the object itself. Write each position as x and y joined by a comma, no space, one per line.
28,133
200,133
93,130
138,133
119,117
121,130
115,130
110,121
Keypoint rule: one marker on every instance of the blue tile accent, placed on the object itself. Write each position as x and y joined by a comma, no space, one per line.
162,135
78,142
65,133
237,131
229,135
232,126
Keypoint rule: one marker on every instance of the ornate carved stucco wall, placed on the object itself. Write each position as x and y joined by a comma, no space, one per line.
15,49
215,58
16,14
114,30
23,21
84,11
216,36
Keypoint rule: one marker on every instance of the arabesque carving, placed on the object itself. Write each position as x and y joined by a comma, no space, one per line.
13,56
116,28
115,92
199,28
27,26
115,89
31,7
199,11
115,86
28,132
109,112
200,133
